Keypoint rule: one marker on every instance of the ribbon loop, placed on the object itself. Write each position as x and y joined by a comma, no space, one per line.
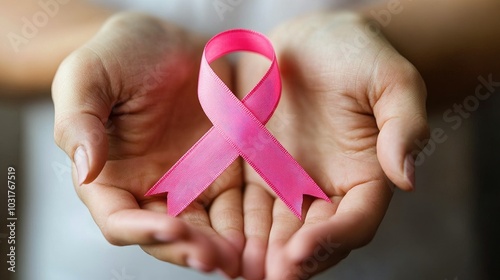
238,131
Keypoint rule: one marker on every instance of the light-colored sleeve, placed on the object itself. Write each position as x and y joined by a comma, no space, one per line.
212,16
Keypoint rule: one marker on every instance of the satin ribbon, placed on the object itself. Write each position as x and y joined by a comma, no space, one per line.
238,130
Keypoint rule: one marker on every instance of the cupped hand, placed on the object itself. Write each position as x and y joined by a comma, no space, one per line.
126,111
350,112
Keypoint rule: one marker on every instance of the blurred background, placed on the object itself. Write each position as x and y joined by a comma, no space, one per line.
447,229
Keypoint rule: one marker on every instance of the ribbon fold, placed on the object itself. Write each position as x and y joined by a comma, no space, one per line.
238,129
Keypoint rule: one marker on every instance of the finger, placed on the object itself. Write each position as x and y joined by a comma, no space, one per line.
319,246
122,222
212,250
226,217
226,205
285,225
117,214
202,248
81,112
200,251
227,220
257,207
285,268
401,117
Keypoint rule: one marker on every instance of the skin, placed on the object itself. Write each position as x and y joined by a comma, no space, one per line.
334,128
350,121
134,116
343,118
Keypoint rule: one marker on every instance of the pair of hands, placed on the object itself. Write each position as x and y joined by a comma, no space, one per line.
127,109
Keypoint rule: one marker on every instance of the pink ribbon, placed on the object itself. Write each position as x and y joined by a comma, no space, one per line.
238,129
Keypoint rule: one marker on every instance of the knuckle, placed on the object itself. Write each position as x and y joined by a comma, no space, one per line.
411,76
111,238
60,131
421,126
364,240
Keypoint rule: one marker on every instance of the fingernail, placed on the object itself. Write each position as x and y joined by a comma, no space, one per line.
82,164
410,170
198,265
223,274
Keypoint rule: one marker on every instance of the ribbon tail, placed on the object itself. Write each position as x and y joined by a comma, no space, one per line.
195,171
294,200
292,193
280,170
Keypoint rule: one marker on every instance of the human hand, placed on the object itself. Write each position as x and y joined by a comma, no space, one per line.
126,110
350,112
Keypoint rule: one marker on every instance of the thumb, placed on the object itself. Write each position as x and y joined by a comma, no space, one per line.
402,120
81,112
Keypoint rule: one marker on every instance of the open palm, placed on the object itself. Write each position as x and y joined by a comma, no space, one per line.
349,119
126,111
